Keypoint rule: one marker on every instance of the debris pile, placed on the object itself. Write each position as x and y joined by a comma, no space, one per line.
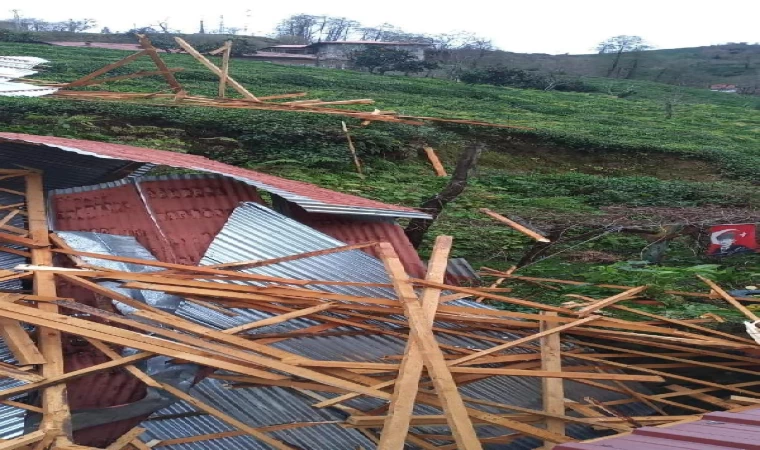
281,336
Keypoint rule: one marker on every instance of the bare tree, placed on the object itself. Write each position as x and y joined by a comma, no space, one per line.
299,28
417,228
618,45
79,25
338,28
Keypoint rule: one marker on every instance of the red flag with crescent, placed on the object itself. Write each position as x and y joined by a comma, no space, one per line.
728,240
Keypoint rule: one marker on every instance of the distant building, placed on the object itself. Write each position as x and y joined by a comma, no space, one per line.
335,54
728,88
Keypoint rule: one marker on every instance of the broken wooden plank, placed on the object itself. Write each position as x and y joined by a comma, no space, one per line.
279,319
435,162
732,301
596,306
469,359
21,345
352,149
103,70
165,71
22,441
125,439
516,226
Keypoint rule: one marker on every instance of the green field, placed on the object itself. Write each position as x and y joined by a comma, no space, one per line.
583,153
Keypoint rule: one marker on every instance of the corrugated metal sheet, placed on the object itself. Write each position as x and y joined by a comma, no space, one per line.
714,431
461,270
175,217
257,407
11,419
255,232
310,197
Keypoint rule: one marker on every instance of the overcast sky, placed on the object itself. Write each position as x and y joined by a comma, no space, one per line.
538,26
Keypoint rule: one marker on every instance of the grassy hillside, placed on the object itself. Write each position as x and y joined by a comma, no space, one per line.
585,153
698,67
123,38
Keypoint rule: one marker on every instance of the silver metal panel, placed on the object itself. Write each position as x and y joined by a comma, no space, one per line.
11,419
128,246
20,62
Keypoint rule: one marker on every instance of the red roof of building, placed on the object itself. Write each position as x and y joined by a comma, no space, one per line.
275,55
107,45
305,194
738,429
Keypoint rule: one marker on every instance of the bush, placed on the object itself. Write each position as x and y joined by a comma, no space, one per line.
523,79
13,36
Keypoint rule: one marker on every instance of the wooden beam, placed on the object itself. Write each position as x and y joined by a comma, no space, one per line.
552,389
140,74
103,70
491,296
396,426
22,441
165,71
516,226
125,439
212,67
352,149
596,306
732,301
52,381
226,49
707,398
252,264
279,319
436,163
451,401
21,345
549,331
12,372
57,416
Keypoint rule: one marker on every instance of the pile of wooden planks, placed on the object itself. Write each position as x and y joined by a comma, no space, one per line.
668,365
180,97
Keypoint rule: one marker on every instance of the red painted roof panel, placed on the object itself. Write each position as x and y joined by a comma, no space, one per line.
182,160
718,430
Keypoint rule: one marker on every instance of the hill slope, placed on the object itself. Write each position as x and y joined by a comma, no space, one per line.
586,153
698,67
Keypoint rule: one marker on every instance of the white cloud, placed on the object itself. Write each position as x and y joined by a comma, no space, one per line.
540,26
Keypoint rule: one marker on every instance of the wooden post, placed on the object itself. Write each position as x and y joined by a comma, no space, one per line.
437,166
225,68
552,388
105,69
352,149
56,416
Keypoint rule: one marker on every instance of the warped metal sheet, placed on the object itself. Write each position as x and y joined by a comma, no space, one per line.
255,232
20,62
310,197
128,246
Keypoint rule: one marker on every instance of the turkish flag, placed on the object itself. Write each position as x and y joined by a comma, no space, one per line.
729,240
